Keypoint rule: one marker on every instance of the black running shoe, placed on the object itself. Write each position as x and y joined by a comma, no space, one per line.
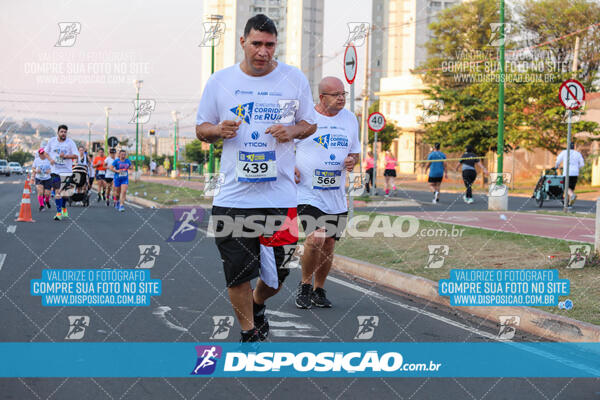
48,204
99,198
107,203
303,295
319,299
260,321
251,335
41,208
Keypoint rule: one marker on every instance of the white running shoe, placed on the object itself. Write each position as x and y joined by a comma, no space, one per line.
470,200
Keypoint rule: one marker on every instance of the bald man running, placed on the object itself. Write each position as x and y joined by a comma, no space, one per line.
322,160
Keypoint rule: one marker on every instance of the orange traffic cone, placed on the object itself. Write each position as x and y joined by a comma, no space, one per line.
25,212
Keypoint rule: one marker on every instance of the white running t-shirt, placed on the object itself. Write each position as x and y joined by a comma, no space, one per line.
258,171
108,161
320,160
54,148
575,161
44,167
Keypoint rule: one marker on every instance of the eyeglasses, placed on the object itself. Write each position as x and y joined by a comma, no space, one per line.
342,94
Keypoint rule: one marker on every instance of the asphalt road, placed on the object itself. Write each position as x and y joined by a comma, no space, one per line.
193,293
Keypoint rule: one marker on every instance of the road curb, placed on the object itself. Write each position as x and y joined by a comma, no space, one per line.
539,323
144,202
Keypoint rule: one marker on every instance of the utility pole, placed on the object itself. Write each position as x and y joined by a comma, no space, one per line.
211,154
89,136
138,84
175,116
106,111
500,150
364,127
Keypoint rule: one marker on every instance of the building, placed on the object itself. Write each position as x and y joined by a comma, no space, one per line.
299,30
400,90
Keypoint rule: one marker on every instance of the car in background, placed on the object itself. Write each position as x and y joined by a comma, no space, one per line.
15,168
4,170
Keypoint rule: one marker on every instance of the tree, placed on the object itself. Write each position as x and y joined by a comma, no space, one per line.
387,135
194,152
462,72
21,157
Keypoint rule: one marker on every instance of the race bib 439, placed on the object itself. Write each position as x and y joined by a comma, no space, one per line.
256,166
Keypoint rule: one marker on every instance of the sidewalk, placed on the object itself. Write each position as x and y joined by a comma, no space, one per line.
406,182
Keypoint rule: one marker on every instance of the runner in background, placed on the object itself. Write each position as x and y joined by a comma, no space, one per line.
369,165
437,171
469,172
43,183
109,176
121,181
61,151
575,163
98,164
390,172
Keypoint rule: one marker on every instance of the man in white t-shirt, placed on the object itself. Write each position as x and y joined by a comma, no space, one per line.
575,163
258,107
110,175
61,151
322,160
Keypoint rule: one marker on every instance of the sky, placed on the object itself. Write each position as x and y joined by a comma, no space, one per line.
117,42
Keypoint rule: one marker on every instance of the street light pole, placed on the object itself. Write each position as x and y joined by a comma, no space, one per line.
138,85
500,150
175,116
89,136
106,111
211,154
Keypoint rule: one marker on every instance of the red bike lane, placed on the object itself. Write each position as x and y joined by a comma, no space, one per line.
577,229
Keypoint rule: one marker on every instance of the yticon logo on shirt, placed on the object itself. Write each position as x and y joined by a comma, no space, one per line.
207,359
332,140
243,111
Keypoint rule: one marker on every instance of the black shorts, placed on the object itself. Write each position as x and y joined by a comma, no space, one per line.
46,183
390,172
313,218
108,180
572,182
433,179
262,245
100,177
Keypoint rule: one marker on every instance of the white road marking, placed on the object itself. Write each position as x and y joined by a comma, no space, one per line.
2,259
294,333
521,346
160,314
11,229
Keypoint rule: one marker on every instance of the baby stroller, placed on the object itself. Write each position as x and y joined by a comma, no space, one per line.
550,186
80,184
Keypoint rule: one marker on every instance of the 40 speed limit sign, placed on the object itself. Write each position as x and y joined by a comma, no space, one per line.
376,121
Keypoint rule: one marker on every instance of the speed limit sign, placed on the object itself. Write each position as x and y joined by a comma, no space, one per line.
376,121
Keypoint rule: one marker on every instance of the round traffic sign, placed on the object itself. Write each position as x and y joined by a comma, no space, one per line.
350,63
113,141
376,121
572,94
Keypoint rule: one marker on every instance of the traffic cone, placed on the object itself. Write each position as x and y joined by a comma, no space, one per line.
25,211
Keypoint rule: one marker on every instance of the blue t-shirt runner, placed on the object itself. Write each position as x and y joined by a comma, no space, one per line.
436,172
121,180
436,169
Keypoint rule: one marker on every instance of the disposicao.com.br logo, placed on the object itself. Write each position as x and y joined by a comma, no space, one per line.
253,362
